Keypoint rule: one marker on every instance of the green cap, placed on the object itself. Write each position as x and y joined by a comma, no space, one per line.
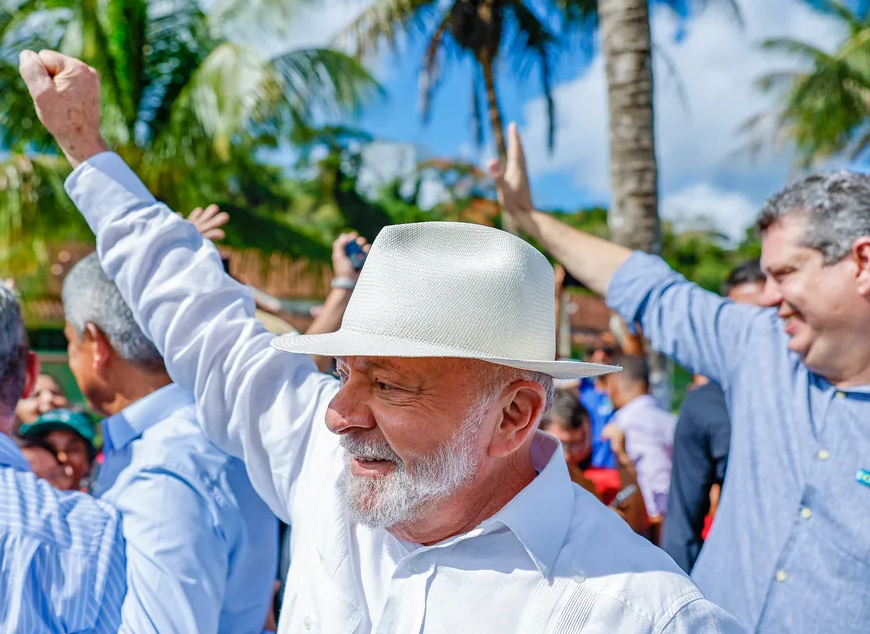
66,419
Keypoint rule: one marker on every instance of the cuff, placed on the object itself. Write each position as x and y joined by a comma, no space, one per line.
631,284
104,186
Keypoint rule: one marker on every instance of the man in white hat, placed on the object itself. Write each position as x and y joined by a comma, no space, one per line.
429,502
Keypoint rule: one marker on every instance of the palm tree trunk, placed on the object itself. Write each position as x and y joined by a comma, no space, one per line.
487,63
625,33
633,216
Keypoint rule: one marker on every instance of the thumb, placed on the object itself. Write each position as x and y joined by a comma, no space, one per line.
34,73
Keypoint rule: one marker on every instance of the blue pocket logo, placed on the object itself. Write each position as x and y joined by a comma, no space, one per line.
863,477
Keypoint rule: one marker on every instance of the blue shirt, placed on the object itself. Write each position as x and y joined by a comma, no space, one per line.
61,555
790,549
202,547
600,411
701,442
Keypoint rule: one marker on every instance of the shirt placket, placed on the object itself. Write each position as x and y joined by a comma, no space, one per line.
782,584
405,608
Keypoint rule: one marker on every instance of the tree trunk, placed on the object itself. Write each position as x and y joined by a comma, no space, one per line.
633,216
625,34
487,63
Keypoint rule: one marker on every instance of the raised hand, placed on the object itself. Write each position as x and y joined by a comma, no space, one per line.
66,93
341,264
209,221
512,180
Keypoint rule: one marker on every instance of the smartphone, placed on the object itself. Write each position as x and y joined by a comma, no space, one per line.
356,254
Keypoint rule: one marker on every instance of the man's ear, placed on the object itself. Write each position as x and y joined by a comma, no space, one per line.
31,372
861,256
101,350
522,405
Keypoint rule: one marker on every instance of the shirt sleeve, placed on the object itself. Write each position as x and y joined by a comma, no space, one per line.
253,402
177,559
700,330
699,616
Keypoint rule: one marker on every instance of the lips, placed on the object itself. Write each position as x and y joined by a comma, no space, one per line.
369,467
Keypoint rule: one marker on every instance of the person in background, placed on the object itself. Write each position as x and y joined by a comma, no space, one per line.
648,430
202,547
46,396
70,436
593,397
701,443
569,422
789,550
62,564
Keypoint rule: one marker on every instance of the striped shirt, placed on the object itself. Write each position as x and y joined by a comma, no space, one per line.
61,556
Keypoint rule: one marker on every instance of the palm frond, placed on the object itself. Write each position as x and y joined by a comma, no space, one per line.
430,70
384,22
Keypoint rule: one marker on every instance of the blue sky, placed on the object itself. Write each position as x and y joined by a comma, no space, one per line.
702,172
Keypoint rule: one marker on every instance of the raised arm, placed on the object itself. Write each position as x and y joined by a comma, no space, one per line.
700,330
253,402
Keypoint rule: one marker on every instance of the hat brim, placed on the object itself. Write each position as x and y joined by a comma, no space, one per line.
41,428
346,343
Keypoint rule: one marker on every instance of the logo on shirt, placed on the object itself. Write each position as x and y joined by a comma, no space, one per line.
863,477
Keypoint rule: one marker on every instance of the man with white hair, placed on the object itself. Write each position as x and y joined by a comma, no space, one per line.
434,505
61,553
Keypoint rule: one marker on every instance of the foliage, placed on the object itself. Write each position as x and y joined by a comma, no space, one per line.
824,108
188,108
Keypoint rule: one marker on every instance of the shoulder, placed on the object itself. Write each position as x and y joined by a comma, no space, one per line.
625,575
64,520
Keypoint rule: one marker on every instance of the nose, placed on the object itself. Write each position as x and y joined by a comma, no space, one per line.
771,295
348,410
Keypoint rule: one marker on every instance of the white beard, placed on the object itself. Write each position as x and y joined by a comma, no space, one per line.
381,502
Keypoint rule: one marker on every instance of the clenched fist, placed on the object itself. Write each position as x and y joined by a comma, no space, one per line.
66,93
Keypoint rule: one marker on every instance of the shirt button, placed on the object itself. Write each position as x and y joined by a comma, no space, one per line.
823,454
806,513
781,576
307,622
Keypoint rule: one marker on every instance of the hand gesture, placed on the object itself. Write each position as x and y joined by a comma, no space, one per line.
341,264
66,93
616,437
209,221
512,180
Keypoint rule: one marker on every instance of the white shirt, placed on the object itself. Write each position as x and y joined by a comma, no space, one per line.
552,560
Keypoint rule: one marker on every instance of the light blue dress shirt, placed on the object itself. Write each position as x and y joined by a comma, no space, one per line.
61,556
202,547
789,551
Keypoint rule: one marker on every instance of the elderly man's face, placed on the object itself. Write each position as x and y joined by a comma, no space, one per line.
822,305
414,430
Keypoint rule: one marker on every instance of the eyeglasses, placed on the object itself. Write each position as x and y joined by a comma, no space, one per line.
607,350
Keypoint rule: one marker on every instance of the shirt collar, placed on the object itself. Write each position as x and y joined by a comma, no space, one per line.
541,514
641,402
10,454
132,421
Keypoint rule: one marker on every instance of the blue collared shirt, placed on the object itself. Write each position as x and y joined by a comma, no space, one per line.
202,547
600,411
61,555
789,550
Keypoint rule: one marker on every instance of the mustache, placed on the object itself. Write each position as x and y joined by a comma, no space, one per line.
371,448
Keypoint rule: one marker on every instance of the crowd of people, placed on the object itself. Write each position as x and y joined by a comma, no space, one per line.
419,460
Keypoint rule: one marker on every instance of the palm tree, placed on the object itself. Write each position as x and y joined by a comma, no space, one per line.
186,106
486,31
824,109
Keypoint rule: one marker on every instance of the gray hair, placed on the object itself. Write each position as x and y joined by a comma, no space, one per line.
836,207
502,376
90,297
13,352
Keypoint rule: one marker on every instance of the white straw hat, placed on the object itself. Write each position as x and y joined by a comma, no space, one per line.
450,289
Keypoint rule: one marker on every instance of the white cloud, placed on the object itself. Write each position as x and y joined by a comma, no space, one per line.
690,207
717,63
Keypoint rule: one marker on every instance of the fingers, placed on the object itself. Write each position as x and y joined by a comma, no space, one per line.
214,235
195,215
34,73
54,62
209,223
516,157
